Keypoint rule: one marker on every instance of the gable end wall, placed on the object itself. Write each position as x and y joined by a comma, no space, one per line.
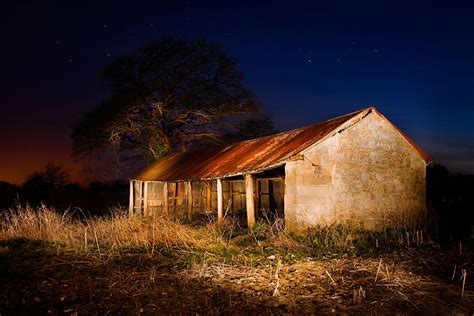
367,176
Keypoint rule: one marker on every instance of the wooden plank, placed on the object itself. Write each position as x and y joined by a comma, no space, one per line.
249,199
145,198
136,197
220,202
231,197
140,197
271,197
208,195
189,193
175,196
130,202
258,194
238,192
271,178
166,209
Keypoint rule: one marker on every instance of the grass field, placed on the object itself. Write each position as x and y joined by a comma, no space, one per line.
67,264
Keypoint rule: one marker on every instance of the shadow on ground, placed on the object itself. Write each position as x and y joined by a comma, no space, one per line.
35,280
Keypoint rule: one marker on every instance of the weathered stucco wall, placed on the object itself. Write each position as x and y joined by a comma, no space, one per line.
367,176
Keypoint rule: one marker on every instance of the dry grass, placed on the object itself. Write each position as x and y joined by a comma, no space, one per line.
119,233
322,268
105,236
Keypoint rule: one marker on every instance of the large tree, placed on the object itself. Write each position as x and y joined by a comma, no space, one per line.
171,95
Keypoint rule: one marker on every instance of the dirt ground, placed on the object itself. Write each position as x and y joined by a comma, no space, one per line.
34,280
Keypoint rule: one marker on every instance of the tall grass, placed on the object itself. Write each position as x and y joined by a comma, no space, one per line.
115,233
119,234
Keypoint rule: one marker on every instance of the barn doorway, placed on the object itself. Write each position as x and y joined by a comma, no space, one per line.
269,194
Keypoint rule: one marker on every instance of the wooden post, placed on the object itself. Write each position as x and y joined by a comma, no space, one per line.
145,198
220,201
130,202
165,198
140,197
249,199
208,195
189,193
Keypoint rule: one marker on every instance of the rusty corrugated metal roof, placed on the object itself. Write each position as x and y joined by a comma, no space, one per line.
250,156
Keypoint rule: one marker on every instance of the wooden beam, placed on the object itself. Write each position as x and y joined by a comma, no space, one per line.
165,198
145,198
249,199
220,202
272,178
189,194
208,195
130,202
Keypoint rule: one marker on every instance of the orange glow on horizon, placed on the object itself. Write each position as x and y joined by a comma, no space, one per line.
19,158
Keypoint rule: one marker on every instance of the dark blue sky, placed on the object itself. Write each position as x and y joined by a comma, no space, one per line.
306,61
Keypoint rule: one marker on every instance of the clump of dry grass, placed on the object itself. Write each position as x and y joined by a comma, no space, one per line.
104,235
35,224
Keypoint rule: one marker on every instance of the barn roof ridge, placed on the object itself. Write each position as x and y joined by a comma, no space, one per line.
301,128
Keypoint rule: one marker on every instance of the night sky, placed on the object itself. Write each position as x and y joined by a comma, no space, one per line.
306,62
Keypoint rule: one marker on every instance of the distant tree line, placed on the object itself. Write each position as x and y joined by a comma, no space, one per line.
52,187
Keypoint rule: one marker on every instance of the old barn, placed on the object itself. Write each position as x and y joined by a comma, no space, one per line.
357,168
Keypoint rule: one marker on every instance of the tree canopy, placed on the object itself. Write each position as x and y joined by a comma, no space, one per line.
171,95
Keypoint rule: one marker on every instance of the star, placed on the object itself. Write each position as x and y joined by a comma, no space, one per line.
69,60
310,61
376,50
107,54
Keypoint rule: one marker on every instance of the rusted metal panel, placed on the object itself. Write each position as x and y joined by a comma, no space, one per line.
244,157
